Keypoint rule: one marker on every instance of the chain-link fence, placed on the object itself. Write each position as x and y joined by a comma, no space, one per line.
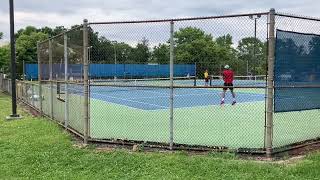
61,78
189,112
205,82
5,83
297,80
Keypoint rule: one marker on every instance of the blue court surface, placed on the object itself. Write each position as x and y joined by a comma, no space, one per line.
157,99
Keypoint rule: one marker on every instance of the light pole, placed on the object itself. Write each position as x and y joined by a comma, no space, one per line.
14,114
254,17
115,59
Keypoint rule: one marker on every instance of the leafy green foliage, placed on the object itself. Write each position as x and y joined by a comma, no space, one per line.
255,52
161,54
141,53
192,45
106,51
4,58
1,35
225,41
26,46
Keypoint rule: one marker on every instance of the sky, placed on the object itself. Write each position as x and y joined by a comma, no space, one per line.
40,13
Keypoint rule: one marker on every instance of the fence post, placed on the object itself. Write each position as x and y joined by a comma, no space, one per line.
66,113
1,79
23,71
85,81
271,58
39,78
50,78
32,95
171,82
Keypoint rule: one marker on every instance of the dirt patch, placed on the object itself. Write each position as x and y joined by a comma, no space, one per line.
29,110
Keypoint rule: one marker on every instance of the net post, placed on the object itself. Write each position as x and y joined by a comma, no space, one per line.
270,95
23,70
171,82
50,78
195,74
66,113
39,78
85,82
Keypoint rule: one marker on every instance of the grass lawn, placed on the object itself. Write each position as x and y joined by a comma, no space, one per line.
35,148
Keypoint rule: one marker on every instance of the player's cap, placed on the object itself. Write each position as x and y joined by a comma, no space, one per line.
226,66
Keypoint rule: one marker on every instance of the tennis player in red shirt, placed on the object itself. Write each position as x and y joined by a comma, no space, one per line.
228,83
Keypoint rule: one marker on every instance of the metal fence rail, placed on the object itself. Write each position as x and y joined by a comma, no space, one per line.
170,110
176,112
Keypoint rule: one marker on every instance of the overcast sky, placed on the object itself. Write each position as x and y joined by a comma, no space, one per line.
51,13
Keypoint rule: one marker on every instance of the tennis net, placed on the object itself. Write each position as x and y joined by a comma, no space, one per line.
186,80
257,80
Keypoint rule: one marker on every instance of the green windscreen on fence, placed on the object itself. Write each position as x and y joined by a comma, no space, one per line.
297,71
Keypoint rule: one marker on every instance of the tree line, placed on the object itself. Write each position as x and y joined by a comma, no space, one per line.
192,46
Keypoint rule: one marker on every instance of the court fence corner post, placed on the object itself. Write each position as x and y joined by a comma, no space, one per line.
39,78
51,78
171,82
85,82
66,77
270,85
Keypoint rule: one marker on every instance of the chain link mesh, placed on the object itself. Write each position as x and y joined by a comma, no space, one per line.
61,63
130,82
297,126
136,107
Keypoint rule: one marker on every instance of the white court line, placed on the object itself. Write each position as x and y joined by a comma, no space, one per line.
132,99
150,91
303,97
123,99
181,95
209,105
150,104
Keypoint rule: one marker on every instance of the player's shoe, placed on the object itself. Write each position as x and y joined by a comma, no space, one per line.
233,103
222,103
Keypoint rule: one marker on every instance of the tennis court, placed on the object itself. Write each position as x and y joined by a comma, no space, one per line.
106,66
158,98
142,114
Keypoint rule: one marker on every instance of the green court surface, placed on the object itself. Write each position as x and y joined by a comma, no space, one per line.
239,126
228,126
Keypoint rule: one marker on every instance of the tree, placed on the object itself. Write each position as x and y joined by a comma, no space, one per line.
4,58
161,54
26,31
229,53
47,30
124,52
58,30
141,53
1,35
225,41
26,46
193,45
252,51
